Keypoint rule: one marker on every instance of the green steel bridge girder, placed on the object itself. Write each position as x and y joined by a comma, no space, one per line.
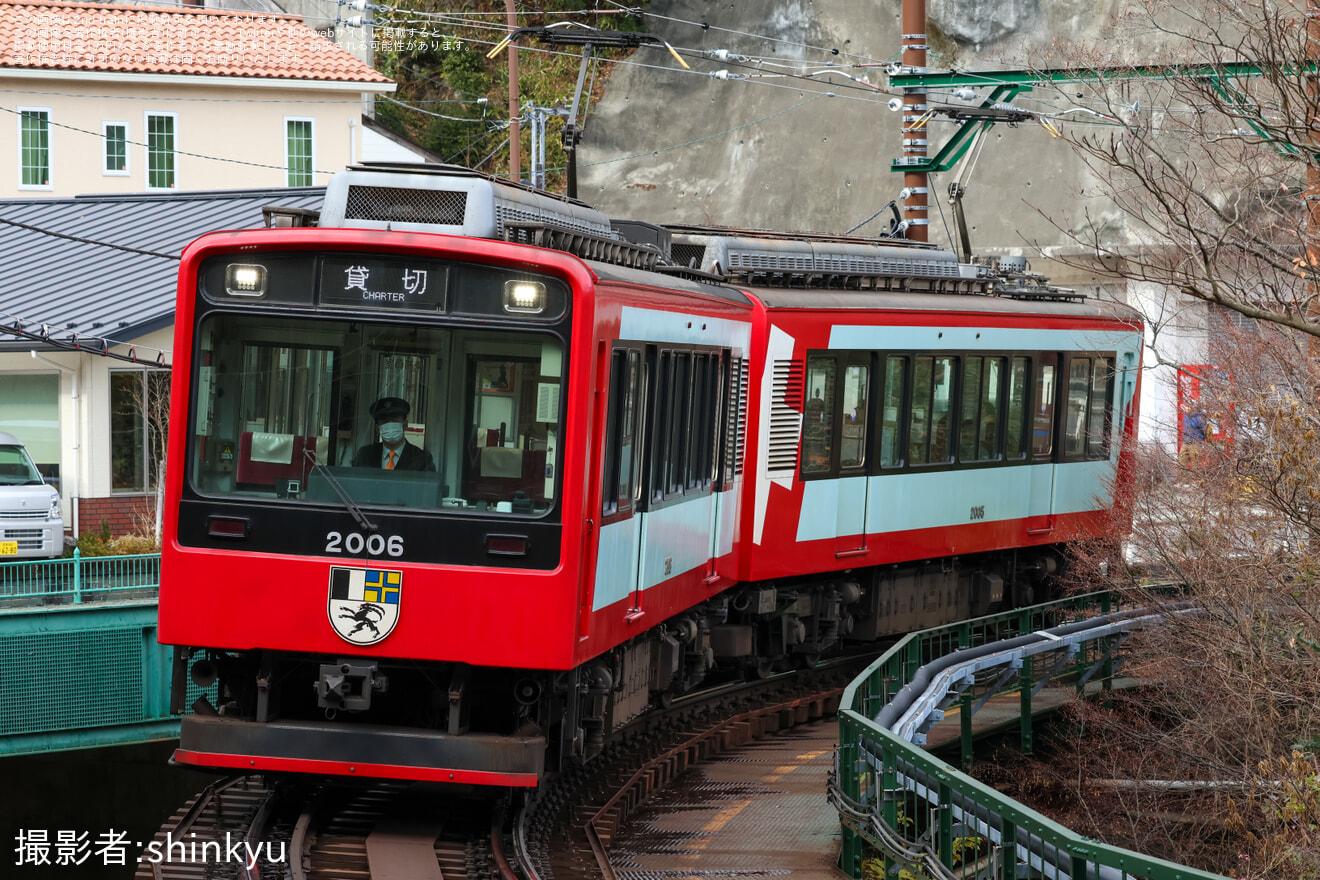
1007,84
83,676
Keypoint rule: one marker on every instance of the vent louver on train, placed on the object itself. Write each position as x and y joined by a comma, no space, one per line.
455,201
735,432
397,204
785,416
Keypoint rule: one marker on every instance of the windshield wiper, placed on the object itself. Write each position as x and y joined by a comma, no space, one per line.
349,503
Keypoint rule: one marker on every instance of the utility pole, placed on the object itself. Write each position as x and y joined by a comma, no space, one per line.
1313,175
589,39
916,182
515,130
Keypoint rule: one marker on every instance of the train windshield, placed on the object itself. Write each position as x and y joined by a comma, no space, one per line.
377,414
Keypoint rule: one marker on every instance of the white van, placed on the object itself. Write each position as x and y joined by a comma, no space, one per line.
31,526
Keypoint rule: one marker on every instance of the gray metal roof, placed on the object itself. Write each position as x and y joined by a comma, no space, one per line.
98,289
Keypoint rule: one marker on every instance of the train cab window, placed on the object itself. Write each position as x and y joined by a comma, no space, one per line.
818,416
932,400
512,408
308,410
1075,409
1042,430
1014,446
852,448
891,421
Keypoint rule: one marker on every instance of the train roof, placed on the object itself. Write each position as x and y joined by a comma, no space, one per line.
679,282
873,300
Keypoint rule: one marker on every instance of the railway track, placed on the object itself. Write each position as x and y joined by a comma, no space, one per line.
287,828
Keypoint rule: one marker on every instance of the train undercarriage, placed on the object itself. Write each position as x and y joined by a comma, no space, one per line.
450,722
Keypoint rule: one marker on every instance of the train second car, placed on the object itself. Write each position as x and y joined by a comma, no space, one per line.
450,508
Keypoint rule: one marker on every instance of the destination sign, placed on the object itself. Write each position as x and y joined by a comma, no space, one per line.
376,283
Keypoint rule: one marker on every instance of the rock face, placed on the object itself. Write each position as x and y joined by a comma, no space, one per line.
978,23
799,144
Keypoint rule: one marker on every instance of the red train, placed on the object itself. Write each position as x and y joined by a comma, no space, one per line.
451,508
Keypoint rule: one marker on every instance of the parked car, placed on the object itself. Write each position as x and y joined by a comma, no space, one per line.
31,526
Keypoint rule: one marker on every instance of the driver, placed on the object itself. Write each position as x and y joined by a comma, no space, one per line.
393,452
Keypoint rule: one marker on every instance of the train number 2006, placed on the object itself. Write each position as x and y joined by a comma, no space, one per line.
354,543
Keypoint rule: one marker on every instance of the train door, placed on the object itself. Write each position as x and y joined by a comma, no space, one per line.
619,561
730,385
1040,512
681,430
852,419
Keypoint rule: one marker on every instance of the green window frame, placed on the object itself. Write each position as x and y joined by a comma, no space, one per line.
34,147
161,137
115,153
298,151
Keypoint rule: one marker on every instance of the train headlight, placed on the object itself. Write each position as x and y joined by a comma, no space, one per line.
245,279
524,297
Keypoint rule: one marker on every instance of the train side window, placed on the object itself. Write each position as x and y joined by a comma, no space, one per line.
1042,430
628,429
661,432
987,443
920,420
702,402
1100,418
620,460
891,423
818,416
1014,447
969,412
1074,414
941,408
610,460
856,415
681,424
717,387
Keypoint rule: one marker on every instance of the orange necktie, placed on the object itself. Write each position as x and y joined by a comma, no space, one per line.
389,463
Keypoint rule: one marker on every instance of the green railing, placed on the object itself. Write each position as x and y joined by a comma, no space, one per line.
80,666
77,579
907,814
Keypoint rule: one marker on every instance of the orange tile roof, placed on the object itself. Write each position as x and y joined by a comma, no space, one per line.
170,40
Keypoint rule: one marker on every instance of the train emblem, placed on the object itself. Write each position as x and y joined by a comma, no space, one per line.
364,603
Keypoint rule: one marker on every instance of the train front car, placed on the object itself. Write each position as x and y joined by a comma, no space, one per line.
366,503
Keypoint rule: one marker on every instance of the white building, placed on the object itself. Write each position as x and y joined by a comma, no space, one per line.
105,98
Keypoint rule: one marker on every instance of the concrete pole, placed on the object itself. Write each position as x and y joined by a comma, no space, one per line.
916,206
515,130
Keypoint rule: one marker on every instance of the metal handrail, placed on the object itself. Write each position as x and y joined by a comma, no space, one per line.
881,775
77,579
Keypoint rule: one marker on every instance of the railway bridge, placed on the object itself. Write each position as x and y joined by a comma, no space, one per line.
80,668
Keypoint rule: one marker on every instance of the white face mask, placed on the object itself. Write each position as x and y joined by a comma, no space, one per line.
391,432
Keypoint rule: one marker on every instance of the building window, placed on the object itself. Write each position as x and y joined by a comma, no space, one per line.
34,148
139,415
160,151
116,148
30,410
298,151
